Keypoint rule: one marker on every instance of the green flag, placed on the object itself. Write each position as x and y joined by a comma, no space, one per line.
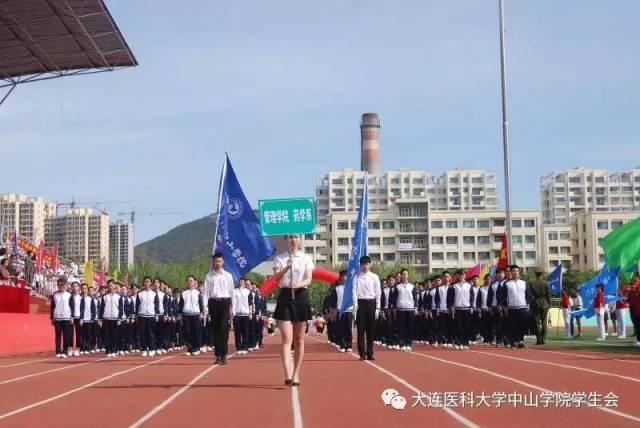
622,246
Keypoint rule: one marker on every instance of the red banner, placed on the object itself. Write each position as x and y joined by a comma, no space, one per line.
503,260
40,256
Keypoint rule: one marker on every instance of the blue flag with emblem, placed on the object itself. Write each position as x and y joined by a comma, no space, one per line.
238,234
606,277
555,280
359,248
14,243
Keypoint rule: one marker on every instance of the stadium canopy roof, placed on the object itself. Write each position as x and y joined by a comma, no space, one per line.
46,39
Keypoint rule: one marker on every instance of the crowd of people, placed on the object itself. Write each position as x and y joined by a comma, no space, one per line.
452,311
155,318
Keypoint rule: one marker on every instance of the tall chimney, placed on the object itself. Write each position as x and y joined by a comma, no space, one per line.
370,143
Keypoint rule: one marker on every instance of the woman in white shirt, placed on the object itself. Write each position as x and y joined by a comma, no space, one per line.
293,269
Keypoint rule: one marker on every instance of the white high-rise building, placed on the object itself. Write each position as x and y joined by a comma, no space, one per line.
576,191
460,189
121,245
25,214
81,234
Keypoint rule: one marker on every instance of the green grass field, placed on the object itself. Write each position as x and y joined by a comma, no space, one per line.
556,340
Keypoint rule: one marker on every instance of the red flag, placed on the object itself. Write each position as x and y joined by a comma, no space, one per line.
99,278
473,271
503,260
40,256
54,257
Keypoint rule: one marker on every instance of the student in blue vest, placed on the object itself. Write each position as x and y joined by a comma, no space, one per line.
111,317
62,306
88,315
148,312
193,315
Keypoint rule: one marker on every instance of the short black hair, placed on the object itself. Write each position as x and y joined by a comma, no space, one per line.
499,270
365,260
218,255
459,272
191,276
145,278
62,280
445,272
343,272
434,277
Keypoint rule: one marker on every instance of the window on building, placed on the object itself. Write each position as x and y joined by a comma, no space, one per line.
469,240
452,257
406,258
452,224
389,257
373,241
388,241
469,256
603,224
516,222
375,257
388,224
343,242
530,255
497,239
436,224
452,240
565,236
553,250
482,224
517,239
553,236
437,256
530,239
518,255
308,250
484,240
529,222
343,225
468,224
565,250
342,257
484,255
616,223
374,225
405,212
437,240
353,225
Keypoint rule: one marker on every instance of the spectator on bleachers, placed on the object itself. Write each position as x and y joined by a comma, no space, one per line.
5,275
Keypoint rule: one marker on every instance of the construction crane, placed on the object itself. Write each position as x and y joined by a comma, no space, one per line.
73,204
132,214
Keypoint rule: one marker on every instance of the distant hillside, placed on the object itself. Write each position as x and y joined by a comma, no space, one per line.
181,244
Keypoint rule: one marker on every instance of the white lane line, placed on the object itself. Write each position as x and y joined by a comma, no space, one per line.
26,362
565,366
4,382
464,421
295,404
528,385
599,356
175,395
80,388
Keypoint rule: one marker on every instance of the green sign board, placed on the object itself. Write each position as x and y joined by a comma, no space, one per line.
287,216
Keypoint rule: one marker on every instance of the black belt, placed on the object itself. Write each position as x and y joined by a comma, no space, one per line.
219,299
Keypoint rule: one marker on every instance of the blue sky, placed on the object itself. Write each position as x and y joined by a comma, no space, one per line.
281,86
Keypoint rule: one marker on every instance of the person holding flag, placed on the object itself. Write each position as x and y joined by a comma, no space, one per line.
293,270
540,307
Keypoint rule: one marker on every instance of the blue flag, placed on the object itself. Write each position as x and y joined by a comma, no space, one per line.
359,247
14,243
555,280
238,234
609,278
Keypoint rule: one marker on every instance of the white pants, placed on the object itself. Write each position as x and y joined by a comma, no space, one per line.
622,328
566,316
600,319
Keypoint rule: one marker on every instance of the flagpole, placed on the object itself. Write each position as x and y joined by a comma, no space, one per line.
222,176
505,130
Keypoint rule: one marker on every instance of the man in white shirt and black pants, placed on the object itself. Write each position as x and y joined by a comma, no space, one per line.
367,291
516,298
218,286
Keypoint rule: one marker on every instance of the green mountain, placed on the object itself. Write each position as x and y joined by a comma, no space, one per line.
181,244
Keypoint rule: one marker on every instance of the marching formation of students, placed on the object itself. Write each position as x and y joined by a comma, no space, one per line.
156,319
446,310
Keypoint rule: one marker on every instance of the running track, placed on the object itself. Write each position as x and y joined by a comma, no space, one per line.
336,388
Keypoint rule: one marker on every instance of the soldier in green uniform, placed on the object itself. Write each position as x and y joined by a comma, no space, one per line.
540,306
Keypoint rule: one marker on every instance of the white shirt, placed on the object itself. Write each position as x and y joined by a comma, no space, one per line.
76,308
405,296
161,307
483,293
339,294
241,301
218,285
463,295
516,294
367,286
442,295
146,300
191,305
301,269
61,306
111,302
86,316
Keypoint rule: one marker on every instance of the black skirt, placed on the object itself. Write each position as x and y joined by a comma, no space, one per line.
294,306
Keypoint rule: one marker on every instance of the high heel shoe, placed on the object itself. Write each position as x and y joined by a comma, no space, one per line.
288,382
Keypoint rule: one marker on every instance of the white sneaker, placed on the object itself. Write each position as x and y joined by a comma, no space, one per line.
145,353
58,355
342,350
209,348
70,354
637,343
103,350
465,347
152,353
188,353
76,353
196,353
64,356
164,351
